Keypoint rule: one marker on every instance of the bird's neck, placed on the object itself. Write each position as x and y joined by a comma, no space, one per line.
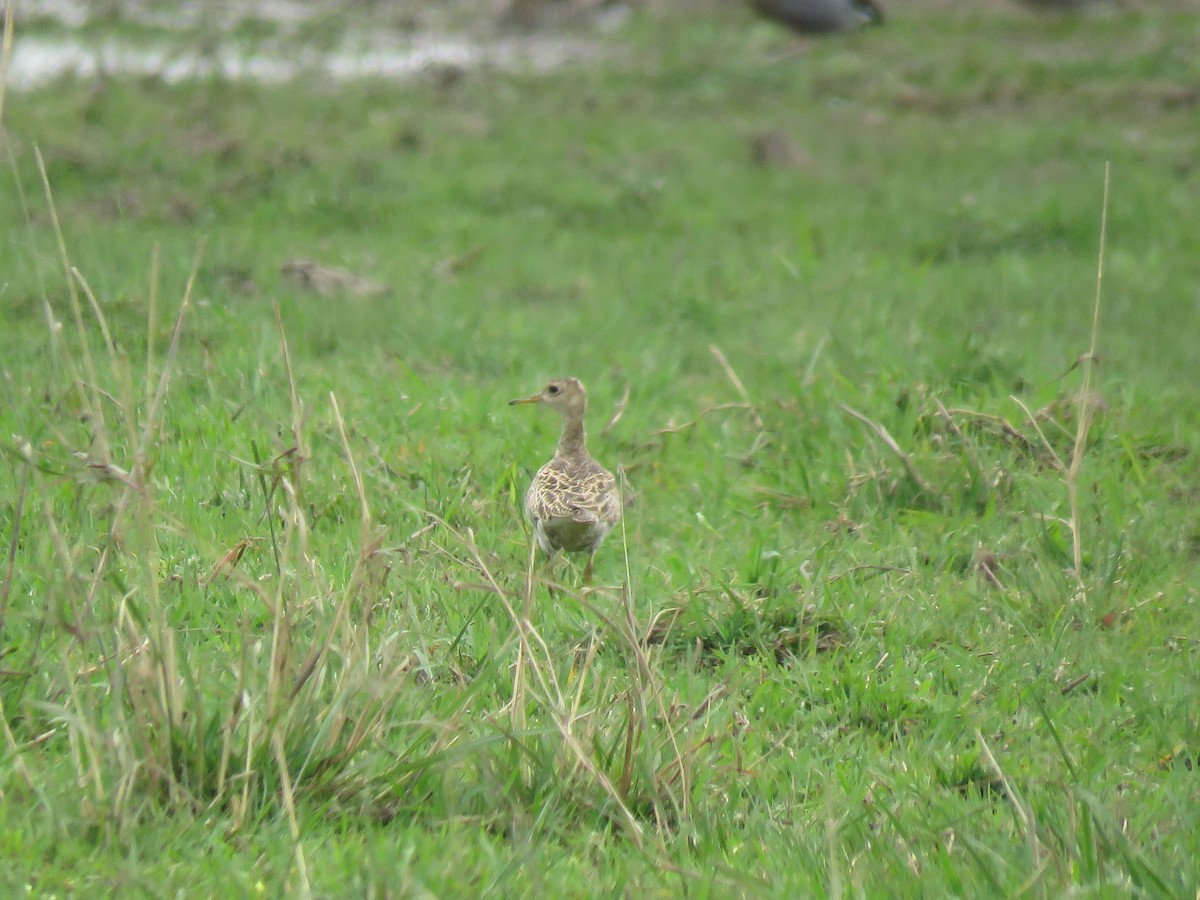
573,442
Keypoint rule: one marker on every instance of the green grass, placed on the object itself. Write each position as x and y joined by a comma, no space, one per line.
273,632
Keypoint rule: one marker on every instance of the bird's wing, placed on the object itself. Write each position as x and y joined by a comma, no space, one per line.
582,493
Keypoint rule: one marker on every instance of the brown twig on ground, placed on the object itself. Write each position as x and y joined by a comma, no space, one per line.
888,441
987,565
1074,683
228,562
452,265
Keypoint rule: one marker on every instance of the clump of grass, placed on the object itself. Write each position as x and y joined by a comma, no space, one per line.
608,742
153,716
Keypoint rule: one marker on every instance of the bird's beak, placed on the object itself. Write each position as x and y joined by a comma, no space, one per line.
536,398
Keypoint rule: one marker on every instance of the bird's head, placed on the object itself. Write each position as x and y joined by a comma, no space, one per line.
567,395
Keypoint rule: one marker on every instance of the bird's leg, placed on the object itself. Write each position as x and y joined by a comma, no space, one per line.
587,570
530,579
549,574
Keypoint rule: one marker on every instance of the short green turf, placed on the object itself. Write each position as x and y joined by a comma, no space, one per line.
845,642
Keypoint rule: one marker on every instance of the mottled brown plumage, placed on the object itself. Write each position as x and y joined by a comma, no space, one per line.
573,502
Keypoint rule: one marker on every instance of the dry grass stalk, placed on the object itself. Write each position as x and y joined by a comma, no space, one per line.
672,428
737,384
289,805
760,437
618,411
1032,420
1086,404
10,12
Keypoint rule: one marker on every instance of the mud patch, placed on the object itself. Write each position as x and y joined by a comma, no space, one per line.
187,50
38,61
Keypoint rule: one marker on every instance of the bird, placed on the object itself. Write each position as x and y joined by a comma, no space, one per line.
573,502
817,16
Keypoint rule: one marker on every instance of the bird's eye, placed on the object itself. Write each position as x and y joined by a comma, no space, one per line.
552,389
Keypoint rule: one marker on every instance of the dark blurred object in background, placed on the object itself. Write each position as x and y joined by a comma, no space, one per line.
817,16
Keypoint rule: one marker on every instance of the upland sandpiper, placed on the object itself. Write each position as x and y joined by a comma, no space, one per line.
573,502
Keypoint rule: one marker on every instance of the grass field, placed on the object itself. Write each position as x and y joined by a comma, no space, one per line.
905,600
